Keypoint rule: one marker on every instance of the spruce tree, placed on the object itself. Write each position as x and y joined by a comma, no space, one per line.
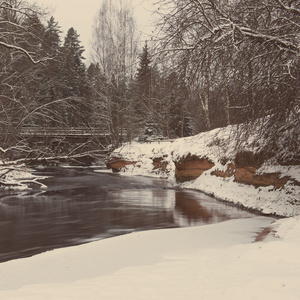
74,68
52,49
52,74
31,76
52,41
145,106
75,84
143,76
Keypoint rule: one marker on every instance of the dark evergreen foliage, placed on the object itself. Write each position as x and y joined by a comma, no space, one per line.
144,72
73,66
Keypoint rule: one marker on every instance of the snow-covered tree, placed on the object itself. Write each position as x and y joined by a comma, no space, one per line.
20,45
240,58
20,69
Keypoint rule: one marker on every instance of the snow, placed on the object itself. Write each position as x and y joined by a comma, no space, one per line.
18,177
228,260
264,199
218,261
292,171
217,145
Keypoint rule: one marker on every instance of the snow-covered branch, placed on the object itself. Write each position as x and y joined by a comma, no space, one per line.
18,177
17,48
7,6
287,45
12,24
42,107
288,8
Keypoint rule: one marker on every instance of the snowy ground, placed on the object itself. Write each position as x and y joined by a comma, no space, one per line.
217,145
218,261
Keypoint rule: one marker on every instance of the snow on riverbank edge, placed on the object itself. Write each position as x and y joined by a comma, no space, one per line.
18,177
218,261
216,145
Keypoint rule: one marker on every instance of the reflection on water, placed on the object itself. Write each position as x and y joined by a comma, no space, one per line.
80,206
193,208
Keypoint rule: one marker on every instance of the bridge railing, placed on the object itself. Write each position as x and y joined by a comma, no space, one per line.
55,131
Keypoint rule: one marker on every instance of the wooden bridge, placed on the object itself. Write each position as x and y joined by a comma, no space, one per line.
73,135
83,144
62,132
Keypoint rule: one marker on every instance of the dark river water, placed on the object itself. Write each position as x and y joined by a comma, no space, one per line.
81,205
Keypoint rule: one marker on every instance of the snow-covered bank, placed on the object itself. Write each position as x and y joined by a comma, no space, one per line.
18,177
218,261
281,196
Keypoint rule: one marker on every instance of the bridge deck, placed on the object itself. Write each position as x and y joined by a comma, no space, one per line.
56,132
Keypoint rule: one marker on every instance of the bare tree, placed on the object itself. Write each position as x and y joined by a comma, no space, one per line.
240,55
18,58
24,83
115,40
115,46
14,14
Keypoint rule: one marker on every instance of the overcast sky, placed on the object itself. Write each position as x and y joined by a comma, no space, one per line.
80,14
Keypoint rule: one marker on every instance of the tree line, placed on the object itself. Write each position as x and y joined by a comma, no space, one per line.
134,97
42,79
45,82
213,63
240,61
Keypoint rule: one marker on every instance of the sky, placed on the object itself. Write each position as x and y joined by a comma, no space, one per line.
80,15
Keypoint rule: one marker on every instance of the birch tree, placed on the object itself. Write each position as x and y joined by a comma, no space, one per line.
115,46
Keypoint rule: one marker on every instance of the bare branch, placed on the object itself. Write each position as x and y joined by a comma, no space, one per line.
17,48
42,107
8,6
288,8
268,38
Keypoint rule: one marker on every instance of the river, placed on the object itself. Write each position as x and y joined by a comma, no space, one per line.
83,205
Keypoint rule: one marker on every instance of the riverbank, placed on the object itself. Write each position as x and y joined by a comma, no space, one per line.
212,163
219,261
18,177
231,260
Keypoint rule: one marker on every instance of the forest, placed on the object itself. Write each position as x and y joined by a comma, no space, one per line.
209,64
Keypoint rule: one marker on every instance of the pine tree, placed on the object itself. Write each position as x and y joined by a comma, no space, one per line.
52,49
34,35
75,84
143,76
52,41
74,68
51,73
31,76
147,104
144,94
